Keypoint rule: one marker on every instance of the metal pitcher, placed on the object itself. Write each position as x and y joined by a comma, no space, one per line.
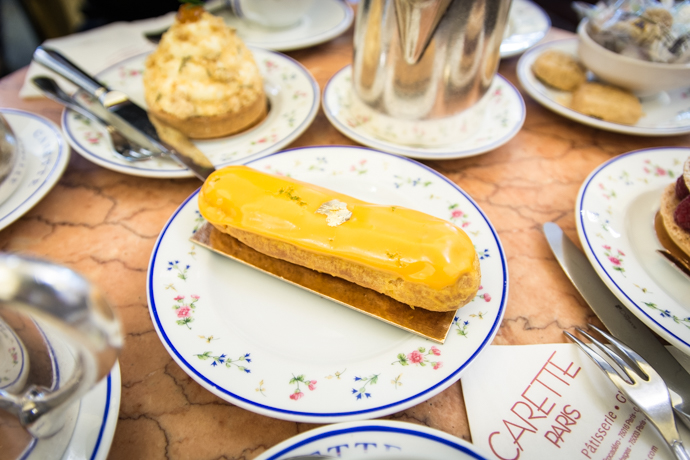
76,325
426,59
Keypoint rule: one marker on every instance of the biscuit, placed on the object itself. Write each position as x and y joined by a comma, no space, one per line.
607,103
559,70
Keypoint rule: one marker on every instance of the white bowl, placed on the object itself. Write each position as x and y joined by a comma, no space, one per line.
643,78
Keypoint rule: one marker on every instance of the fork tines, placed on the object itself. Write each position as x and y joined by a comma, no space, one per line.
633,359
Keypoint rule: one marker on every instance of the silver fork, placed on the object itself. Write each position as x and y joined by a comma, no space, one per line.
643,386
123,146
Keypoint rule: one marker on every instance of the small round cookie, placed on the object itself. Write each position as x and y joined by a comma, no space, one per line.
607,103
559,70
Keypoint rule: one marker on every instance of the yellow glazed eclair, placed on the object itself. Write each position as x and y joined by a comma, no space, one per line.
415,258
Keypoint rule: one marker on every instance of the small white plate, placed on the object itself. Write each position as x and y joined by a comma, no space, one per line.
325,20
292,91
46,155
668,114
278,350
379,439
504,115
95,425
527,24
615,222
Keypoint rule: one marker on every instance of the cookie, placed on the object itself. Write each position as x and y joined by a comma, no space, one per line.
607,103
559,70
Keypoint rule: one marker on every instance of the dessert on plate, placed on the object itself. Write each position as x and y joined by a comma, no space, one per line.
202,79
412,257
675,210
564,72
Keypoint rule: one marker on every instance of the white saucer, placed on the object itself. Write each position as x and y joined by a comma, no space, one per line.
527,24
666,115
47,155
292,91
376,439
325,20
504,115
95,425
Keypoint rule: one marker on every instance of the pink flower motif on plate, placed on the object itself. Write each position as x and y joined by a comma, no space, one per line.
420,357
300,379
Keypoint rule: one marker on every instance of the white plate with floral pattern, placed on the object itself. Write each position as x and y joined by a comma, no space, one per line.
667,114
615,222
527,24
275,349
46,155
292,91
325,20
378,439
502,117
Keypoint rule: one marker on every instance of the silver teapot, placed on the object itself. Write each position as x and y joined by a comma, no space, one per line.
426,59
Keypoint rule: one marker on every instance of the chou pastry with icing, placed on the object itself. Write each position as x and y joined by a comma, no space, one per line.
415,258
202,79
675,209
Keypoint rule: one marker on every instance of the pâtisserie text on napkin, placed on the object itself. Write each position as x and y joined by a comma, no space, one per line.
550,401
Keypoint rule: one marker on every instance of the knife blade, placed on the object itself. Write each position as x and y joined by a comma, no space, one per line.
128,117
619,320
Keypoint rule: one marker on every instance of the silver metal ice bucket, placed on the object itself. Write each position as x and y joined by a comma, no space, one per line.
426,59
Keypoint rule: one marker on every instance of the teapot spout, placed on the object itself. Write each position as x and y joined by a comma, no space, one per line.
417,21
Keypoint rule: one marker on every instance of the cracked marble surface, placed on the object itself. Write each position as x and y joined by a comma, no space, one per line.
104,224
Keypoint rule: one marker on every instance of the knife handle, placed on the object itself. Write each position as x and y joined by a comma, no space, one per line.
59,64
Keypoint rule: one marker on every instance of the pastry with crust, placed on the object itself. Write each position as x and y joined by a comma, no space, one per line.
675,210
415,258
202,79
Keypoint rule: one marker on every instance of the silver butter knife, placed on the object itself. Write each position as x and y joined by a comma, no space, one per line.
128,117
619,320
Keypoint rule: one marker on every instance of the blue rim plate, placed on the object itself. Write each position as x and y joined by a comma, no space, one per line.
378,439
278,350
46,154
615,212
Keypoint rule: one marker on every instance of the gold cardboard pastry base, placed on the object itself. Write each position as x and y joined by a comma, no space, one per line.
428,324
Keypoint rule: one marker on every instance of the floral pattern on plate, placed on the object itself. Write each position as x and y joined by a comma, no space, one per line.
502,117
334,363
290,88
665,115
616,208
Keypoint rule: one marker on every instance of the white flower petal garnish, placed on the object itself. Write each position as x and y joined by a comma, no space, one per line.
335,211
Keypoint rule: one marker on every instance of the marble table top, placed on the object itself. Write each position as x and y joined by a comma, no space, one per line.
104,224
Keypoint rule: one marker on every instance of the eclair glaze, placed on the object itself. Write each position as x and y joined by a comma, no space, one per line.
414,246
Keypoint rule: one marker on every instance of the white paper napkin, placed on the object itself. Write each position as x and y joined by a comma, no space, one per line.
98,49
551,401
